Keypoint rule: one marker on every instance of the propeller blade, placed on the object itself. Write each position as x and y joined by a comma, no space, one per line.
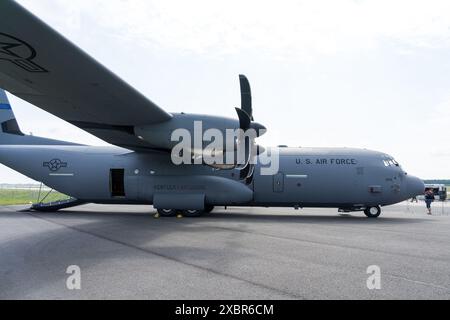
250,175
246,96
260,149
246,140
245,172
244,119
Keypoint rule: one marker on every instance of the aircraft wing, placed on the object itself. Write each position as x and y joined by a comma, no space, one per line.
40,66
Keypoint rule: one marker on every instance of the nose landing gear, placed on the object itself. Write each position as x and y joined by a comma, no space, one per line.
372,212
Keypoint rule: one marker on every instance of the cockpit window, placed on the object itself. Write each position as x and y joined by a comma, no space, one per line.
390,162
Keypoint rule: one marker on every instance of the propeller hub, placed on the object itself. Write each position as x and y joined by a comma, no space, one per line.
259,128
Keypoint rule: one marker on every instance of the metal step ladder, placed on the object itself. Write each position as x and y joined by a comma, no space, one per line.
40,205
57,205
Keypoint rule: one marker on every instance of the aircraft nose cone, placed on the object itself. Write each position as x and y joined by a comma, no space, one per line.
414,186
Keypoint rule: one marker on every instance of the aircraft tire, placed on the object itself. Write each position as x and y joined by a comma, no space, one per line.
167,212
372,212
192,213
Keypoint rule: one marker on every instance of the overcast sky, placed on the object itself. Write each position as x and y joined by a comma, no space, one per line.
368,74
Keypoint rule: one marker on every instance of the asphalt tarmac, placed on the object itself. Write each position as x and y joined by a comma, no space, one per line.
240,253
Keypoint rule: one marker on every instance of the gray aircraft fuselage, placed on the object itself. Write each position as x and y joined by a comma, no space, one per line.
34,67
344,178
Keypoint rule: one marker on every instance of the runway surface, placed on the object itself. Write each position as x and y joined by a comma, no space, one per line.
242,253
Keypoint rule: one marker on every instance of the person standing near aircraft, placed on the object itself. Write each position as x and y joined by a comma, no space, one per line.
429,198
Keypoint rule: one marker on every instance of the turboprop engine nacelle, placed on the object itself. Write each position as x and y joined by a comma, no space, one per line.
202,129
211,140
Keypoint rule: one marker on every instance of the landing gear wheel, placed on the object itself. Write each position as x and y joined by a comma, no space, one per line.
372,212
167,212
208,209
192,213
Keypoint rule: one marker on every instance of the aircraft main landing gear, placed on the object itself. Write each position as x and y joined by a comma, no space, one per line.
167,212
192,213
372,212
185,213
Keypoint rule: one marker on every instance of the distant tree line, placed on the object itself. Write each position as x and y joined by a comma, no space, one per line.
438,181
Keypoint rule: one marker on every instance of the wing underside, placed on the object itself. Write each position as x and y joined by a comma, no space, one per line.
43,68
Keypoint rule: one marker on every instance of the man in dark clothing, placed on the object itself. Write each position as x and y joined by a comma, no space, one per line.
429,198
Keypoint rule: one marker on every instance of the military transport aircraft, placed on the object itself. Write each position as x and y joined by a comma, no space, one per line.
40,66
